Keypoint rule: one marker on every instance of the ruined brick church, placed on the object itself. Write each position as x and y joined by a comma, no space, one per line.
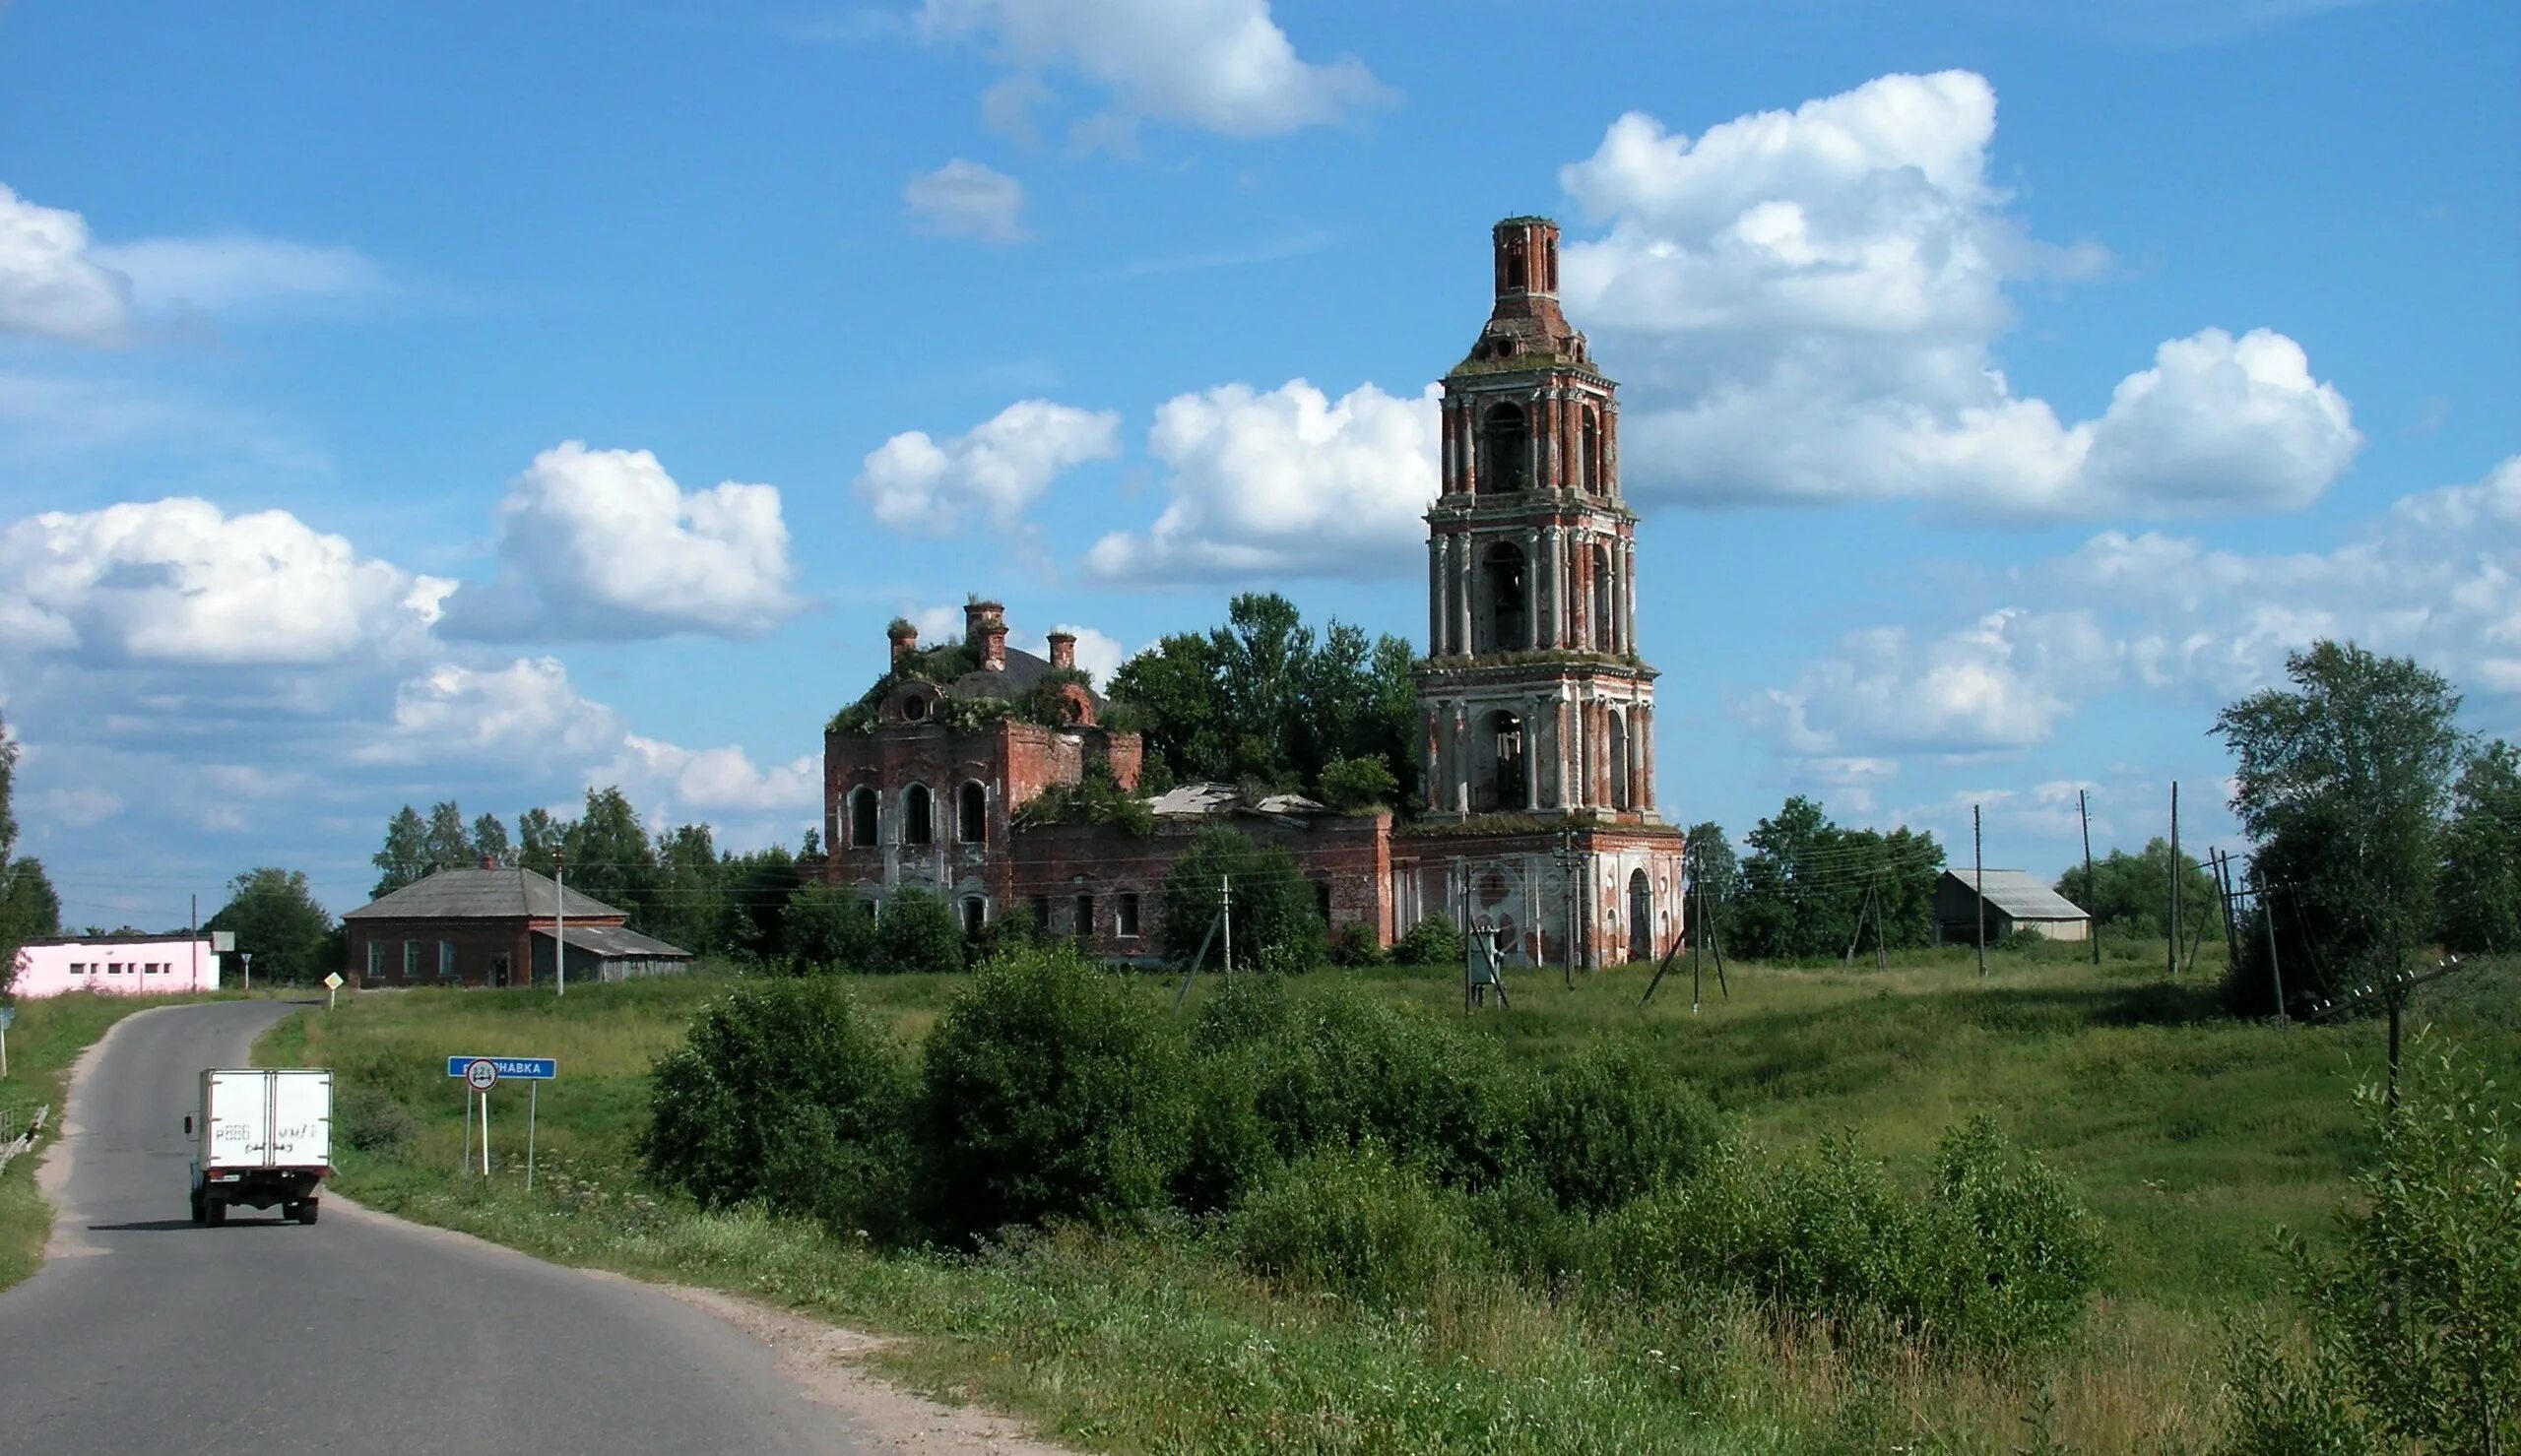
1536,712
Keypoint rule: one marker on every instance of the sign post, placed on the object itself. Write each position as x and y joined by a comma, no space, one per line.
8,1019
481,1073
332,990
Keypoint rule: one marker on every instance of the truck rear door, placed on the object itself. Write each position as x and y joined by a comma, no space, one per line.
236,1109
300,1119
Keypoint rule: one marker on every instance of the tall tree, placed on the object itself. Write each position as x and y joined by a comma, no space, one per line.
1265,700
2341,781
275,916
2481,857
28,906
538,838
405,859
2130,894
1804,886
611,857
1715,872
491,841
690,894
447,843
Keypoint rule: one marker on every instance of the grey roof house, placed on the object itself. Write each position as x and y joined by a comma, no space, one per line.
2015,900
497,926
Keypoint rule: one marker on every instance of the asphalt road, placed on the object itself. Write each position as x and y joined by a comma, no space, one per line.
145,1332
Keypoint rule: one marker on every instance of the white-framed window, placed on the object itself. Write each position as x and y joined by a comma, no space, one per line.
446,960
78,968
376,959
411,960
1125,915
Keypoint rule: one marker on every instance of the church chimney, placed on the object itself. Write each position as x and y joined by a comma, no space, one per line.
1063,651
985,632
904,637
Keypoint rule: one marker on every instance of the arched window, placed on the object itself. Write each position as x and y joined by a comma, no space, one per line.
971,817
862,817
1517,268
1641,917
1505,450
975,914
1588,455
1605,637
1498,782
1619,761
918,816
1502,621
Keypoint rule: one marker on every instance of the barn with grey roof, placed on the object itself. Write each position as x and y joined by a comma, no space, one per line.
2015,900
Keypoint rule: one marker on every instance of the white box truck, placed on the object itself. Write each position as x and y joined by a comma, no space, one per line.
266,1141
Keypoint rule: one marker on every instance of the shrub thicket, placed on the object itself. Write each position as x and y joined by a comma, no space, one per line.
1276,925
1340,1067
1612,1123
786,1092
917,934
1434,941
1050,1091
1996,1255
1357,1224
374,1122
827,929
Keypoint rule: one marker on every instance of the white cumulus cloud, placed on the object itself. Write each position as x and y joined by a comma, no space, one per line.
604,544
1283,482
699,780
966,199
1222,65
996,469
1806,307
2437,577
526,709
179,582
51,282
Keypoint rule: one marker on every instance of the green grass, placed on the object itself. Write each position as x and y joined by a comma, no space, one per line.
47,1038
2191,1135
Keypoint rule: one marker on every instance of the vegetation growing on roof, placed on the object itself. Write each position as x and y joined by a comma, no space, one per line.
1095,798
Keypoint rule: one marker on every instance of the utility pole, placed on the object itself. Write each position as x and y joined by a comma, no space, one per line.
1979,857
2091,923
1225,902
2267,914
1567,873
195,939
2171,950
559,928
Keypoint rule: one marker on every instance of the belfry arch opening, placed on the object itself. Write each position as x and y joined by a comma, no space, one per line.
1505,450
1498,768
1588,455
1619,761
1641,917
1501,619
1605,630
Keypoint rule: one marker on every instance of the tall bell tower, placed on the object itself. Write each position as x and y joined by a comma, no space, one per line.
1534,699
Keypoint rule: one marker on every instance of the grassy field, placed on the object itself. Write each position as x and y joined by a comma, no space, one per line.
48,1036
2191,1136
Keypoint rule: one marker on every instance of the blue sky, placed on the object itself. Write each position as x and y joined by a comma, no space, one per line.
481,402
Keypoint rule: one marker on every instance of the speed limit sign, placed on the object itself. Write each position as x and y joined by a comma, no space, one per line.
481,1074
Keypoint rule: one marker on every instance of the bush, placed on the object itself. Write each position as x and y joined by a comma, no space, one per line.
1997,1256
1338,1068
1434,941
827,929
1352,786
1356,945
917,935
1276,925
1229,1144
374,1122
2420,1311
784,1091
1050,1091
1358,1224
1613,1123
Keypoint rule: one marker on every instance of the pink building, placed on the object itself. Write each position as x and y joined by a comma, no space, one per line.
119,965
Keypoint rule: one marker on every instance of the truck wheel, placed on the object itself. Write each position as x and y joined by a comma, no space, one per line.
307,1211
200,1214
216,1211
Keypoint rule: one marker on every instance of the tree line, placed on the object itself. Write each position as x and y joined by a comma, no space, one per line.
1812,887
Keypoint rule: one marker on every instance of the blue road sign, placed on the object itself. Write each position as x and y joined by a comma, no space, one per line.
8,1017
511,1068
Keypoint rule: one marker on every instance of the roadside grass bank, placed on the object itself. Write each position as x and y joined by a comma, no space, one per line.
50,1034
2191,1137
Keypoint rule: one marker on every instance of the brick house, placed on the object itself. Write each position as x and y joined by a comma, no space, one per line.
496,926
1536,711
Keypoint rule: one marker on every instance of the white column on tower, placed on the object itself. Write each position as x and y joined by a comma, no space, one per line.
1627,582
1435,596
